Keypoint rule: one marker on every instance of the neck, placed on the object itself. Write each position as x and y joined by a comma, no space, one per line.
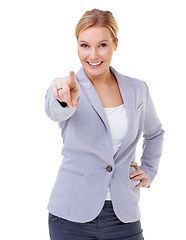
102,79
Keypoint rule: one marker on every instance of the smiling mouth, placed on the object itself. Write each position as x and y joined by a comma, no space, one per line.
95,64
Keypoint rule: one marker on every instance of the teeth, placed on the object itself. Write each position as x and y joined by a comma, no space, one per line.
95,64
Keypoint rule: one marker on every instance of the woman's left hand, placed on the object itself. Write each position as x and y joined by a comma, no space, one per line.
139,175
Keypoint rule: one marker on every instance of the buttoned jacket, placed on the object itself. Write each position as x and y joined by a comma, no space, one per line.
88,166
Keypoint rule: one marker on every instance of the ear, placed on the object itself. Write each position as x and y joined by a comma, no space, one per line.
116,44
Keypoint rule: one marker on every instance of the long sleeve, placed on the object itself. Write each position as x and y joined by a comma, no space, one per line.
153,141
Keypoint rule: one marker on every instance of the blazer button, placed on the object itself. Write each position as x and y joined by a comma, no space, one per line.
109,168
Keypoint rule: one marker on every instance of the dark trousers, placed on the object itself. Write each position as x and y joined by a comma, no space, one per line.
105,227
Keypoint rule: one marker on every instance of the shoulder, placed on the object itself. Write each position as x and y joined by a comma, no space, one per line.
139,87
138,84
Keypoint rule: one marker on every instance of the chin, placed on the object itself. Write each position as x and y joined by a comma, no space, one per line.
94,72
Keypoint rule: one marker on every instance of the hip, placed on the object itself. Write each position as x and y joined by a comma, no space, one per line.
105,226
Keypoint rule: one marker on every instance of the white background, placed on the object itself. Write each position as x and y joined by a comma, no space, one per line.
37,44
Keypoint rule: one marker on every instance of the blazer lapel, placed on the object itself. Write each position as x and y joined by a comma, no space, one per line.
93,97
127,93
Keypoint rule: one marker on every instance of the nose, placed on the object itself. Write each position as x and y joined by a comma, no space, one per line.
93,54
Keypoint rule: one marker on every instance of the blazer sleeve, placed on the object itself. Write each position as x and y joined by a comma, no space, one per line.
55,110
153,140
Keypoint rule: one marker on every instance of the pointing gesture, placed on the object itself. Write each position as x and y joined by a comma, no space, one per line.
67,90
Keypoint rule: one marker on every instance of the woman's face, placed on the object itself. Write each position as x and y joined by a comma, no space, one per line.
95,50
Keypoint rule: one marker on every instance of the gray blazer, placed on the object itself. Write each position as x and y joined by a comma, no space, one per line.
88,167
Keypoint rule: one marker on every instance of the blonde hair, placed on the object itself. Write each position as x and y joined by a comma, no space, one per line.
99,18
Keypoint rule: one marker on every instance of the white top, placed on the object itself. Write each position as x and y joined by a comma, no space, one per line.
118,125
117,119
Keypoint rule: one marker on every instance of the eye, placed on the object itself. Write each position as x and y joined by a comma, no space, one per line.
84,45
103,45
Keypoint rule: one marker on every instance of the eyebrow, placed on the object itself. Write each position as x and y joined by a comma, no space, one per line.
98,42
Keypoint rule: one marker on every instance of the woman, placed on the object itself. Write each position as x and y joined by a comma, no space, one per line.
102,115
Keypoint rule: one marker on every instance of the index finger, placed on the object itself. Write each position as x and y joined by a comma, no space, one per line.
72,79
